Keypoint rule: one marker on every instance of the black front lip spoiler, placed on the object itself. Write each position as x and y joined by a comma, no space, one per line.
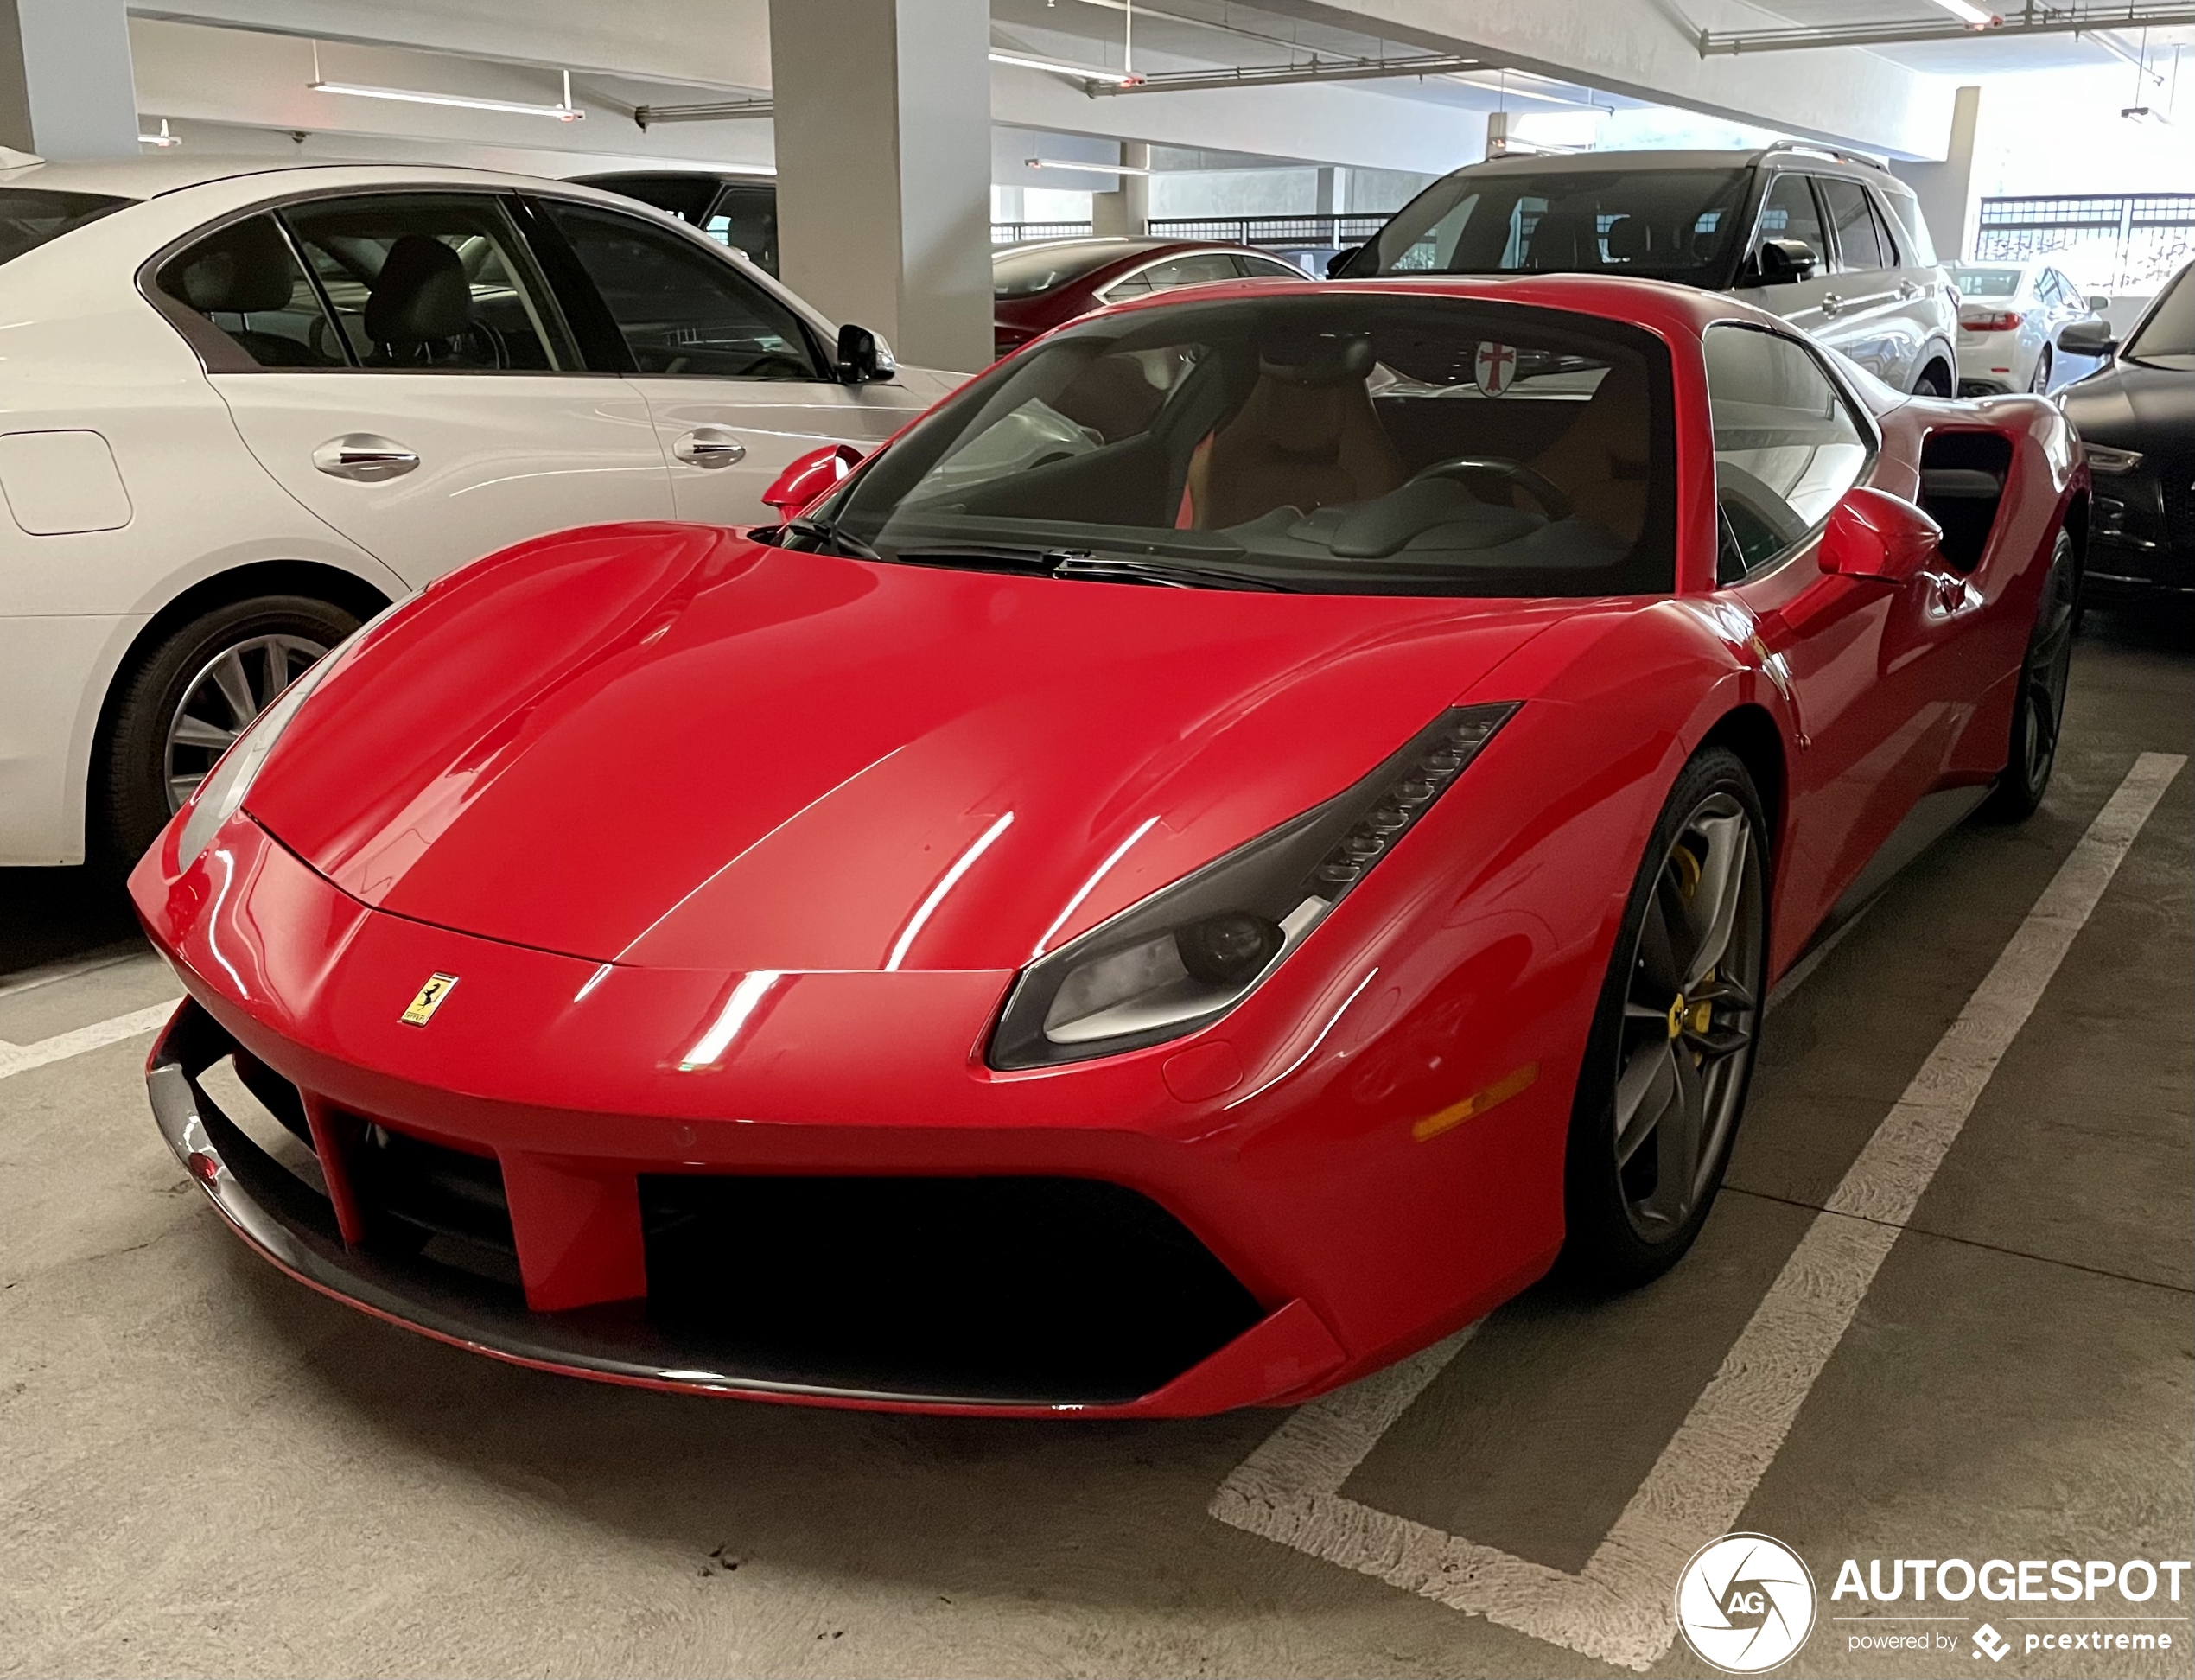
294,1229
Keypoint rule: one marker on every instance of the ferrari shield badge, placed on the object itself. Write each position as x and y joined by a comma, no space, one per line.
428,999
1495,367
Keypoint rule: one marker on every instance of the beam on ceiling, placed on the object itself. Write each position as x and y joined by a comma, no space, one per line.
2037,21
1649,50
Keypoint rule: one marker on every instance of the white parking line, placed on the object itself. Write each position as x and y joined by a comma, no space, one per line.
22,1058
1617,1608
24,980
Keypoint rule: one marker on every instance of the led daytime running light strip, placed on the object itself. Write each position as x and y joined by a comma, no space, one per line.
1462,734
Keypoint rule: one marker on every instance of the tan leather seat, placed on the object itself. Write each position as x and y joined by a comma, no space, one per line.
1297,442
1600,462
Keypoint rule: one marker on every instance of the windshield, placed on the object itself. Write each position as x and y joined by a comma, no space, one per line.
2168,334
1036,269
28,218
1666,224
1344,444
1985,282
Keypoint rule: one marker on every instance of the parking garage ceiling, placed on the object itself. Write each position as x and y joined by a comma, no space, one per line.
1214,75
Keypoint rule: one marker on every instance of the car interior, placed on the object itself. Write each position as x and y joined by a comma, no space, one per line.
423,282
1391,448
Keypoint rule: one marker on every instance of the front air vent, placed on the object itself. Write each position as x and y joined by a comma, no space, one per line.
1049,1290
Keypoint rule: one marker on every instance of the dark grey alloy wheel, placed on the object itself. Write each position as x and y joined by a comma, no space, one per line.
2039,713
186,698
1672,1048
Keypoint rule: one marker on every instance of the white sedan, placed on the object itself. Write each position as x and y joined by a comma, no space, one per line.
245,407
2010,316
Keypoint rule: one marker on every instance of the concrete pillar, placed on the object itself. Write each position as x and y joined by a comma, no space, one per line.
65,91
1334,189
1125,212
883,154
1946,190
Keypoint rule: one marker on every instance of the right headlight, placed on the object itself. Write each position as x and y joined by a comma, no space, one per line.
1188,954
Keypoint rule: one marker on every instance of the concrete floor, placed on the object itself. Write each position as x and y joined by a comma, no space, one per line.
209,1469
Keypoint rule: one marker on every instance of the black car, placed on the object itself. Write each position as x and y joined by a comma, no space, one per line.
739,211
2137,418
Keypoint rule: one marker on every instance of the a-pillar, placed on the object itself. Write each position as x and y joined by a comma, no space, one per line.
1946,190
65,90
1125,212
883,111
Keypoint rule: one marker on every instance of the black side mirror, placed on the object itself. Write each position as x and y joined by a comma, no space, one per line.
1338,265
863,356
2088,338
1784,262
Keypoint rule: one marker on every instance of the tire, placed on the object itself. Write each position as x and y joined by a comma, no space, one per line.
1934,381
2040,384
1639,1179
2039,713
176,703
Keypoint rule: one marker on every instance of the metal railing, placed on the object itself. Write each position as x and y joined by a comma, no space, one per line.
2110,242
1025,233
1288,233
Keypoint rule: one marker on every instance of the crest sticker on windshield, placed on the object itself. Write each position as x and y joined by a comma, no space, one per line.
1495,367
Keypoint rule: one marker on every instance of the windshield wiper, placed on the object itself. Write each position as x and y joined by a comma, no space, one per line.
1019,556
1169,574
833,541
1083,564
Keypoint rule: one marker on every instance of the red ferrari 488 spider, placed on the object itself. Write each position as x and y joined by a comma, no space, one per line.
1207,863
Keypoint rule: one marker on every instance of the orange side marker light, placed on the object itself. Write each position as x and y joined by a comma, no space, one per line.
1476,1105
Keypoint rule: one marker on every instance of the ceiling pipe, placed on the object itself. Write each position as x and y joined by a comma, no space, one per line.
2035,22
1282,75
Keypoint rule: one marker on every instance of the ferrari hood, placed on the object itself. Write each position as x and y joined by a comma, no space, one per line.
665,746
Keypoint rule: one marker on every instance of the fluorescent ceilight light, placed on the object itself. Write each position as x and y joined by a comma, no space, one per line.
1079,71
1088,169
1974,16
745,997
950,879
1516,93
564,113
413,96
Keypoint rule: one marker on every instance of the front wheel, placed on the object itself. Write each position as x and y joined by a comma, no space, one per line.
2039,712
1671,1049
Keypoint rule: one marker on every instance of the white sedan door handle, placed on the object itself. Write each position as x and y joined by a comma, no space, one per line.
710,446
366,457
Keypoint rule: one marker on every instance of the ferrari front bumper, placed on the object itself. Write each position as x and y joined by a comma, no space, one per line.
294,1224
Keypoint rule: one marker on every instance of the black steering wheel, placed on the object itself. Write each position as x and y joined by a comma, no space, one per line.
1537,484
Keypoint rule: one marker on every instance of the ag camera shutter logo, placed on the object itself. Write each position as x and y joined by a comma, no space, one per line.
1745,1603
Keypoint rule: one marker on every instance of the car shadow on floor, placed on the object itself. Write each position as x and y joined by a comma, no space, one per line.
49,915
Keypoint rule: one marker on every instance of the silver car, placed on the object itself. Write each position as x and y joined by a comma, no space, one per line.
1832,241
2011,315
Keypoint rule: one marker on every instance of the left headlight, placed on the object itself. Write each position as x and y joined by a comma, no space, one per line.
225,786
1190,952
